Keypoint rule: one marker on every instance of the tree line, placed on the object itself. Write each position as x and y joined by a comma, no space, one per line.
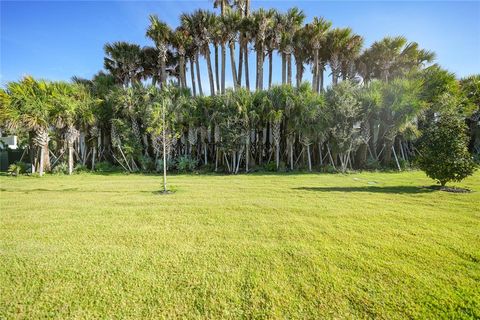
379,102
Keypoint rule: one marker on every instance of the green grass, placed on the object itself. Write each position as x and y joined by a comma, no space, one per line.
369,245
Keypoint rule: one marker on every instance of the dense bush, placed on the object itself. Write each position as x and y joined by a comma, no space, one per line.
443,150
186,164
17,168
60,168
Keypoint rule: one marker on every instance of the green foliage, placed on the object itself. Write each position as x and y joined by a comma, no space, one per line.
105,166
80,168
171,163
186,164
17,168
60,168
443,150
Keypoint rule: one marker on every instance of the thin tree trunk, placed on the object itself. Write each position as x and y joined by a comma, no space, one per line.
289,68
299,72
200,91
224,54
210,72
42,153
315,70
270,67
164,150
94,154
182,71
284,68
240,61
320,80
232,63
217,78
192,73
70,158
247,74
309,158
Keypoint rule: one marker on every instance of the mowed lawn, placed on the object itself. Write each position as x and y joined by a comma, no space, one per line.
368,245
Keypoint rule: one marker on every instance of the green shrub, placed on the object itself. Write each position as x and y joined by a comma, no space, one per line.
79,168
105,166
61,168
17,168
443,150
186,164
270,166
159,165
146,163
328,169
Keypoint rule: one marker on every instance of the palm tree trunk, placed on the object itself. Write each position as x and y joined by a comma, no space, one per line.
70,158
284,68
200,91
182,71
240,61
315,71
224,54
320,78
270,67
192,73
309,158
210,72
299,72
217,79
42,154
247,75
94,155
236,83
289,68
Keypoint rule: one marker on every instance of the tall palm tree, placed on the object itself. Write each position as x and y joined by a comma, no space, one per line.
160,33
188,23
290,22
230,25
123,60
272,40
243,7
180,40
200,24
350,55
317,30
260,21
337,40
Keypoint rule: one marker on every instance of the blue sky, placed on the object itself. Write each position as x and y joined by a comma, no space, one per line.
58,39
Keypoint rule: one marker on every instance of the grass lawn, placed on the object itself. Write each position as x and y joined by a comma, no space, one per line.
368,245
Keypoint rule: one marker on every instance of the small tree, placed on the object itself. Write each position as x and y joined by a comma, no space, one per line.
443,150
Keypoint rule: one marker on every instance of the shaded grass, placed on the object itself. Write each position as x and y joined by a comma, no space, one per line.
369,245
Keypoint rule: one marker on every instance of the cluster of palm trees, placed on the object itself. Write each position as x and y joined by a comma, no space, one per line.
203,33
145,107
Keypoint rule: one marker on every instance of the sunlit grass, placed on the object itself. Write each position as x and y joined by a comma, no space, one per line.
248,246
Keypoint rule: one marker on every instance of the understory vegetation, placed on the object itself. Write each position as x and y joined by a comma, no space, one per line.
368,245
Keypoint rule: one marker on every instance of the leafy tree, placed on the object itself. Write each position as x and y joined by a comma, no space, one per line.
443,150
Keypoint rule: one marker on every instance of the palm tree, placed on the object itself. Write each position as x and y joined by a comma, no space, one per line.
317,30
243,7
180,40
123,60
160,33
30,107
272,40
350,55
337,40
290,23
260,21
230,24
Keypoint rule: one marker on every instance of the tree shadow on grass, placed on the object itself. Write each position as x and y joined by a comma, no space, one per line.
371,189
